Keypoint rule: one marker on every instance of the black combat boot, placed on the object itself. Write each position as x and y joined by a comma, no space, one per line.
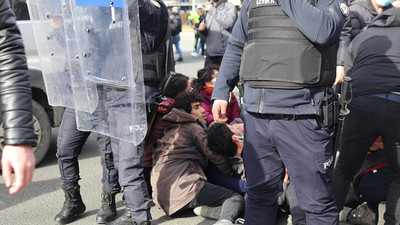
126,219
108,210
73,206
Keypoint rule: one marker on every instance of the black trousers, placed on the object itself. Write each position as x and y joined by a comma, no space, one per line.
214,195
369,117
69,145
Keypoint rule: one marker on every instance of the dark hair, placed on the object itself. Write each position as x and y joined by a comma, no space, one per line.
183,100
219,138
177,84
203,75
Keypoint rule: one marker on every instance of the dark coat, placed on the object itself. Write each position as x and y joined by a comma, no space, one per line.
361,15
156,132
180,160
15,91
373,60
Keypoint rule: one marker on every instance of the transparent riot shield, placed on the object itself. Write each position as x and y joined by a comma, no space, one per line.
85,93
108,41
47,19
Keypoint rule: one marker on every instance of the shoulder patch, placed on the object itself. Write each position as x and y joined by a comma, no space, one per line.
155,3
344,8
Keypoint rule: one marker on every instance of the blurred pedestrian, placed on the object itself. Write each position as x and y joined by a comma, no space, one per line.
175,26
200,40
217,27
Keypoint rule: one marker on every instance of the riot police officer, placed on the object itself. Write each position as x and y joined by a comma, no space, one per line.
157,62
284,52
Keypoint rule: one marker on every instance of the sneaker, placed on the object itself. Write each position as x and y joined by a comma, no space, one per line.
208,212
223,222
179,60
194,54
239,221
361,215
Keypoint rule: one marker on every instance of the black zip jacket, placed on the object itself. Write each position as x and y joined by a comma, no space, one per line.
15,91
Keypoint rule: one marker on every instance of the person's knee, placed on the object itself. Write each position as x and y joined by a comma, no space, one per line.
237,198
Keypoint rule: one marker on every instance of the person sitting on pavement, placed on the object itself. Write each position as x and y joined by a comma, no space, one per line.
227,140
181,156
178,83
204,85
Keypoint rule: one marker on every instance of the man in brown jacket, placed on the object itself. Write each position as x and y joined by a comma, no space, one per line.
178,178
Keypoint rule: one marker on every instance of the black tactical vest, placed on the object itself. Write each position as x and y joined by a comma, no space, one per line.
155,64
278,55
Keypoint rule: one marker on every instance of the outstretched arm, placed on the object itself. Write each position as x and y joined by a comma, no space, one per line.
16,105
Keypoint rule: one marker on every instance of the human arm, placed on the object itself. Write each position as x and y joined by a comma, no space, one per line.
228,75
321,24
21,159
344,42
349,60
16,105
207,106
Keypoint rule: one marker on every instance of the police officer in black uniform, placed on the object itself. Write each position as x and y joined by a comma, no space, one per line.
157,62
284,52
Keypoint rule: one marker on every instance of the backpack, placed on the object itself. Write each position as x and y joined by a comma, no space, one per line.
176,26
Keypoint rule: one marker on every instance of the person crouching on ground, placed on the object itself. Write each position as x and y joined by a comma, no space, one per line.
178,178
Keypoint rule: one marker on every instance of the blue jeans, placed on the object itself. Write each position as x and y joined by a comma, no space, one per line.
217,177
176,39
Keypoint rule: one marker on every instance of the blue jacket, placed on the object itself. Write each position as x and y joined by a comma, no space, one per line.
321,25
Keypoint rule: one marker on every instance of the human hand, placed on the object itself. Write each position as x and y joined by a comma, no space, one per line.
202,26
219,111
21,159
208,5
239,127
339,75
378,144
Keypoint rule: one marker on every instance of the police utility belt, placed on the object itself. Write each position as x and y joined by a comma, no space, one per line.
329,111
